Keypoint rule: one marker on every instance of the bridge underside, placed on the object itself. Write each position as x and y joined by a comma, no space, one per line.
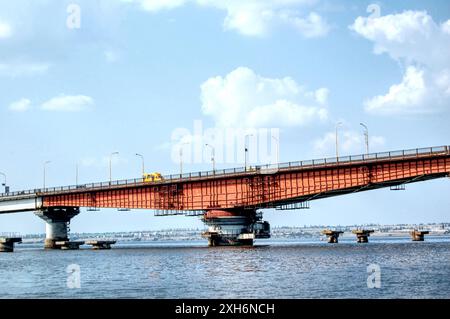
20,204
356,189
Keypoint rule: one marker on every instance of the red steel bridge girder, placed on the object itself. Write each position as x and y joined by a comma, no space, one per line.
258,189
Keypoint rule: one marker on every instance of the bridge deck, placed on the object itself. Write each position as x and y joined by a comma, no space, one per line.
234,172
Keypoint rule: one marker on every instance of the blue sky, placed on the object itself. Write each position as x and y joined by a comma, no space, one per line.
135,72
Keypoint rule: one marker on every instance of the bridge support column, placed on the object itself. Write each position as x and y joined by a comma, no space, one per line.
362,235
57,225
234,227
418,235
332,235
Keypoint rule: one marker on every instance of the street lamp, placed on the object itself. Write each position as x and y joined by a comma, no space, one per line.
45,170
366,136
212,156
143,164
4,184
338,124
181,157
278,148
245,151
110,165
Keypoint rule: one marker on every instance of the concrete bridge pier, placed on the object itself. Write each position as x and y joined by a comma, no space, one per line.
57,225
101,244
362,235
7,244
418,235
332,235
238,227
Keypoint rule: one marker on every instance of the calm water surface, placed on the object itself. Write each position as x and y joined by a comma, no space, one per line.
272,269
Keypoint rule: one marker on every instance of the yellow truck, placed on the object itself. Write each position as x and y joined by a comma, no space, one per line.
152,177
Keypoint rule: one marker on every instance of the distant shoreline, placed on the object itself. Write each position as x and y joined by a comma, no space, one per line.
195,237
308,232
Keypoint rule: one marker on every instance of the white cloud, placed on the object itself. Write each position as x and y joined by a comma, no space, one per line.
406,96
5,30
446,26
257,18
157,5
310,27
21,105
68,103
244,99
15,69
415,40
349,143
322,95
253,17
412,36
284,113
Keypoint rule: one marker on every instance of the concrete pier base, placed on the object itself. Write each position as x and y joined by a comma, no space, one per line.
362,235
57,225
239,227
215,239
67,245
332,235
101,244
419,235
7,244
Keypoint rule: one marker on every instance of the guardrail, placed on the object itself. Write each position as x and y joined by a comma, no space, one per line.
411,153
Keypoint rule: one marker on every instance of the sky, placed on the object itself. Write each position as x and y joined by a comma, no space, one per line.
80,80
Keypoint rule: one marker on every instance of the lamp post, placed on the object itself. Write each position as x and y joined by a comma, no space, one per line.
45,170
181,157
338,124
245,151
212,156
366,136
4,183
110,165
143,163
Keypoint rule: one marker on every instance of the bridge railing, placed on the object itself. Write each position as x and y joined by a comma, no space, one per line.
439,150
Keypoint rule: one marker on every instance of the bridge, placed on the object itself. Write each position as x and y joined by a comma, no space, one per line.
230,200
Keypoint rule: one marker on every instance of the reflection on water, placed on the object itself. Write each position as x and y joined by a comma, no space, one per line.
273,269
